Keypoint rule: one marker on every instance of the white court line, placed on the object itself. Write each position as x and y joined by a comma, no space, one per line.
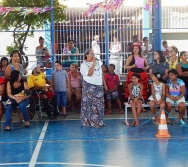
39,144
59,163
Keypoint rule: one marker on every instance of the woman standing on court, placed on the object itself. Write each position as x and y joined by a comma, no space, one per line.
92,105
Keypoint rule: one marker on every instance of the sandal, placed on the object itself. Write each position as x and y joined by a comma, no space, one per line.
133,124
108,112
168,121
126,123
155,122
177,122
136,125
176,110
121,112
143,110
65,115
7,129
27,125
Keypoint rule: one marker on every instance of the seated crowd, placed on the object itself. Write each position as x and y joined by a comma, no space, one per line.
168,86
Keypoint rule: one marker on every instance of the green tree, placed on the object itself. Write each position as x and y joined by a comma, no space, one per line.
30,22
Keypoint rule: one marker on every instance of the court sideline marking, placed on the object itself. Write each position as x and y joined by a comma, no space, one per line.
39,144
59,163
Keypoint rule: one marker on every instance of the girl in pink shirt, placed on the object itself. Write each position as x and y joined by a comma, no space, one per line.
75,85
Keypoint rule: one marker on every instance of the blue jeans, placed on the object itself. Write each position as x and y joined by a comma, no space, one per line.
61,99
186,93
22,106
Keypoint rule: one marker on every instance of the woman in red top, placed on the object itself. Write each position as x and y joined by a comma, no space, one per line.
137,63
75,85
3,66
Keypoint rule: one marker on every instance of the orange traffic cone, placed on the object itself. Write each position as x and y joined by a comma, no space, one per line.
163,129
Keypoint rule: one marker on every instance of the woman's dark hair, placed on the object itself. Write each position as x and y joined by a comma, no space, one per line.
14,75
41,38
164,42
136,75
173,71
159,77
71,40
145,38
106,68
13,52
181,54
2,59
161,56
59,62
86,53
140,50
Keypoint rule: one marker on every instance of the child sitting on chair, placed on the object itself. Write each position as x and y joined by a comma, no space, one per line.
158,94
135,98
66,51
46,59
112,82
175,91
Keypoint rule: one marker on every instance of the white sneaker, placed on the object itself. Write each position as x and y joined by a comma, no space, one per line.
182,122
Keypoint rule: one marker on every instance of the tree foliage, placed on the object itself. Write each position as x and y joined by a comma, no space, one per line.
24,26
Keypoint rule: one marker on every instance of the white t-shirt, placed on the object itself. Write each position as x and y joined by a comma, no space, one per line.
115,47
149,50
96,78
149,47
96,49
166,51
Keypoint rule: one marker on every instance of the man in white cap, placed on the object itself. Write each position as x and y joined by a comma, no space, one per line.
38,81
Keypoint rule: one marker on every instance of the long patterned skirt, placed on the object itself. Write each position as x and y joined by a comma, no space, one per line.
92,105
143,81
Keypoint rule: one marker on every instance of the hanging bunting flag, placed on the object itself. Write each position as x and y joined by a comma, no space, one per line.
149,4
23,11
107,6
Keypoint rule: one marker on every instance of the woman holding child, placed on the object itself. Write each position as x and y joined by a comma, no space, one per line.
3,66
137,63
18,94
72,56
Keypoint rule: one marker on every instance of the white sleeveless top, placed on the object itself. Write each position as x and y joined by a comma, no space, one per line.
158,91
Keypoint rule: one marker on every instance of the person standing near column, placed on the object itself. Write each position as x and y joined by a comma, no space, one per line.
115,57
95,47
147,50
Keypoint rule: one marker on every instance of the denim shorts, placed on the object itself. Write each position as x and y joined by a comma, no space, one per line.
112,95
61,99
